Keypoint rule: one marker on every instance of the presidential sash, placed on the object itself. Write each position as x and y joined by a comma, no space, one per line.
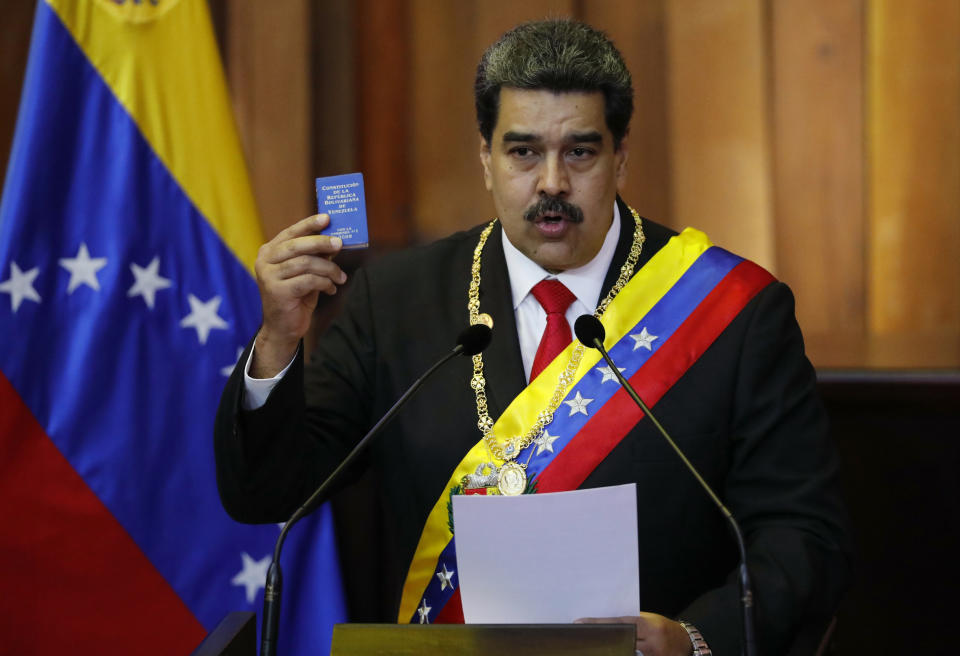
659,324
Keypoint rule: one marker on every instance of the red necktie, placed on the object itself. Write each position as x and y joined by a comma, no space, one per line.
555,299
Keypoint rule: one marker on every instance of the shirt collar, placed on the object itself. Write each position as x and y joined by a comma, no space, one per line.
585,282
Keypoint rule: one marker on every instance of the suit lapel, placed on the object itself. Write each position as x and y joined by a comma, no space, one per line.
503,365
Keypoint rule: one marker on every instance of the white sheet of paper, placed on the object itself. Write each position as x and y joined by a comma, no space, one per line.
547,558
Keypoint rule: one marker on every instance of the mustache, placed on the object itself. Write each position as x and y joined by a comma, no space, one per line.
554,205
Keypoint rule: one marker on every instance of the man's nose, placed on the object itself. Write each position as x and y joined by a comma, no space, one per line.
554,180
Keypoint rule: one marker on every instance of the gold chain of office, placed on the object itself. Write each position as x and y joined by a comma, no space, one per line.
513,446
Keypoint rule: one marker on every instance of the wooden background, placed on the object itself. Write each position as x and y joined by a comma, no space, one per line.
819,137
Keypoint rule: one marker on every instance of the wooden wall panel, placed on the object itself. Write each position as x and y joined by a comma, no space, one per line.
638,30
447,39
334,88
914,174
817,96
269,80
819,137
382,50
717,70
448,191
15,31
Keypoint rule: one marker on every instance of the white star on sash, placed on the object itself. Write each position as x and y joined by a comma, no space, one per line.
83,269
545,442
148,281
253,575
578,404
445,578
608,373
203,317
20,286
644,339
424,611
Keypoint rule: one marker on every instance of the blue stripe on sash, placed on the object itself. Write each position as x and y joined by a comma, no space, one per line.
662,320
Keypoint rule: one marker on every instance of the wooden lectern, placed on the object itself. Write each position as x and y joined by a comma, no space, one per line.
484,639
237,633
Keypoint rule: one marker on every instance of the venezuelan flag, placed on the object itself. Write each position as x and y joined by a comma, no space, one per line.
127,237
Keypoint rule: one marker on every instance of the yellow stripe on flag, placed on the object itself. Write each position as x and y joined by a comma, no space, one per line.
183,111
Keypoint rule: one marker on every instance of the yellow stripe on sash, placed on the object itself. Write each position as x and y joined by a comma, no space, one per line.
638,297
162,64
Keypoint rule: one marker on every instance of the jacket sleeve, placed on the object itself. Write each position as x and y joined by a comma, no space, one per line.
782,488
269,460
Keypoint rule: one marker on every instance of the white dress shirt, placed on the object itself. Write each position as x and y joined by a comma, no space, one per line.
584,282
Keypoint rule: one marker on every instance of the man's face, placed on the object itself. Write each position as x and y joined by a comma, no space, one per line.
554,174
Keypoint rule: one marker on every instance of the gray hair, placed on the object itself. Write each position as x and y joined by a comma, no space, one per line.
556,55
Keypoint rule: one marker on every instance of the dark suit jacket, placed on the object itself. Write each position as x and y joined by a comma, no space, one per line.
746,414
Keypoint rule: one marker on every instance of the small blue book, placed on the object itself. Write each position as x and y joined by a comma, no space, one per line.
341,196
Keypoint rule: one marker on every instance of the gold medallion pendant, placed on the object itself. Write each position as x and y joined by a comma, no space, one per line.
513,479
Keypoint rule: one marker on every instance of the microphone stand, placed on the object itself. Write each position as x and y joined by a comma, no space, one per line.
746,588
470,342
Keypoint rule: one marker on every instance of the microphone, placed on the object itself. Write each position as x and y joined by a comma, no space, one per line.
470,342
473,340
590,332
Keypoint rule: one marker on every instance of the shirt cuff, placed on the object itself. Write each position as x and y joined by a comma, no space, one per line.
257,390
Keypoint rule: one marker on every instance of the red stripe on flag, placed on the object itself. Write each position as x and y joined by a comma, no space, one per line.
74,581
611,423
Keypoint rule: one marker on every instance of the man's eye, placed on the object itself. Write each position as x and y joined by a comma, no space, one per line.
580,151
521,151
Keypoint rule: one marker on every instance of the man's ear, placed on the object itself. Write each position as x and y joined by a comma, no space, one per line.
621,156
485,162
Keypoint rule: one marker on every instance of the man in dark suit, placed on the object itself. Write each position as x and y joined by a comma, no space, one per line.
553,102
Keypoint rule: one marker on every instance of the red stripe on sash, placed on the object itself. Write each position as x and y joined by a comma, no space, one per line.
452,611
617,417
75,582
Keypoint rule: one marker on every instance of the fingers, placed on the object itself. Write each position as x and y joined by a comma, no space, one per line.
656,634
301,286
309,264
299,251
308,226
300,239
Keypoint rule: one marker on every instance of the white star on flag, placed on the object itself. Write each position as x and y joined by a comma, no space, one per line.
203,317
445,578
578,404
253,575
20,286
424,611
226,371
148,281
545,442
608,373
644,339
83,269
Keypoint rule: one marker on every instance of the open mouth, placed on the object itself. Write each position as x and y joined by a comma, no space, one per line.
553,211
550,218
552,225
